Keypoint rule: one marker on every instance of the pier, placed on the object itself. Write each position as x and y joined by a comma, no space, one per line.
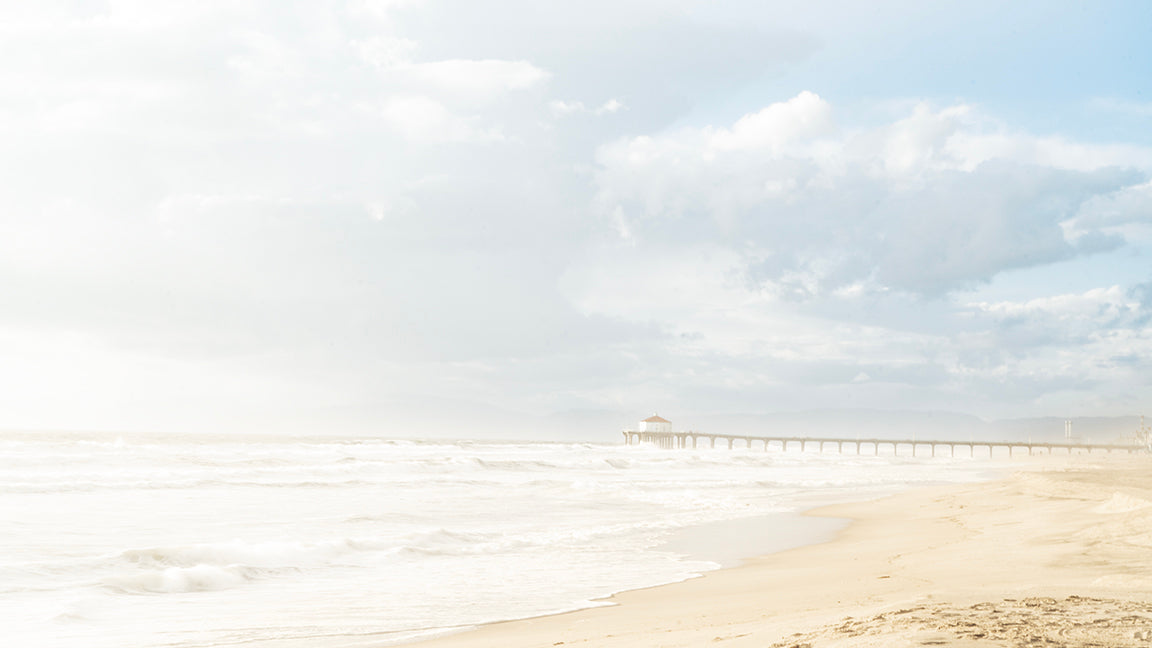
691,439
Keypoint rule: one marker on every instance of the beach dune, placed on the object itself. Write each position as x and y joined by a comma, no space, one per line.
1058,554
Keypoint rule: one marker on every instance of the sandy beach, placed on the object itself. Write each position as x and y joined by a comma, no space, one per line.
1058,554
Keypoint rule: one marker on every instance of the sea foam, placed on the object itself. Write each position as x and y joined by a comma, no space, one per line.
184,541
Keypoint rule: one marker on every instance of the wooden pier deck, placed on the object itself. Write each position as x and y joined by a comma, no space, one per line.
692,439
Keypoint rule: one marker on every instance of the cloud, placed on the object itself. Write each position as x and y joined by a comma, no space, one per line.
1142,293
1095,344
425,119
804,117
1130,204
264,55
382,9
915,205
564,108
385,53
347,204
471,78
477,77
970,149
441,101
966,228
1065,319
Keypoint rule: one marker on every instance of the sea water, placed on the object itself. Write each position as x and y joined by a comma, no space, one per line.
179,541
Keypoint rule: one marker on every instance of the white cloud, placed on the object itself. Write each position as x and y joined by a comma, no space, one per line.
609,107
1132,204
385,53
564,108
915,205
482,77
698,295
422,118
971,149
921,142
472,78
804,116
264,56
441,100
381,9
1098,336
192,188
1092,309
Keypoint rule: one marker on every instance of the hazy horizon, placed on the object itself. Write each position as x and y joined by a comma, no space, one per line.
606,426
380,215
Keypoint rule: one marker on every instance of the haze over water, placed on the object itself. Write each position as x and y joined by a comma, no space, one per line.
117,541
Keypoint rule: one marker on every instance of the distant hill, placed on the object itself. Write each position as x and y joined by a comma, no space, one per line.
1099,429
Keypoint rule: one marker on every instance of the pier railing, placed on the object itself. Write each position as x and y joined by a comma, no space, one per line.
692,439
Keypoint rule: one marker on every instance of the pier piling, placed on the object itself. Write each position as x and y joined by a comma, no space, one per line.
679,440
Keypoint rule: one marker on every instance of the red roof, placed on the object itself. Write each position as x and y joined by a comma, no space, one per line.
655,419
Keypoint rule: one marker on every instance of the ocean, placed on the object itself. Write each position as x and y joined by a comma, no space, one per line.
125,541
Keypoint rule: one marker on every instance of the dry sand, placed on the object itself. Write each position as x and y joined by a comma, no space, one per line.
1060,554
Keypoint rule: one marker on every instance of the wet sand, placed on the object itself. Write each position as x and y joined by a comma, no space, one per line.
1058,554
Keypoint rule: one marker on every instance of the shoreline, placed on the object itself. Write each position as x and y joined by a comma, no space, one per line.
749,537
1066,534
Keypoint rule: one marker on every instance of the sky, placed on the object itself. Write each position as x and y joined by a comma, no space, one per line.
415,217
